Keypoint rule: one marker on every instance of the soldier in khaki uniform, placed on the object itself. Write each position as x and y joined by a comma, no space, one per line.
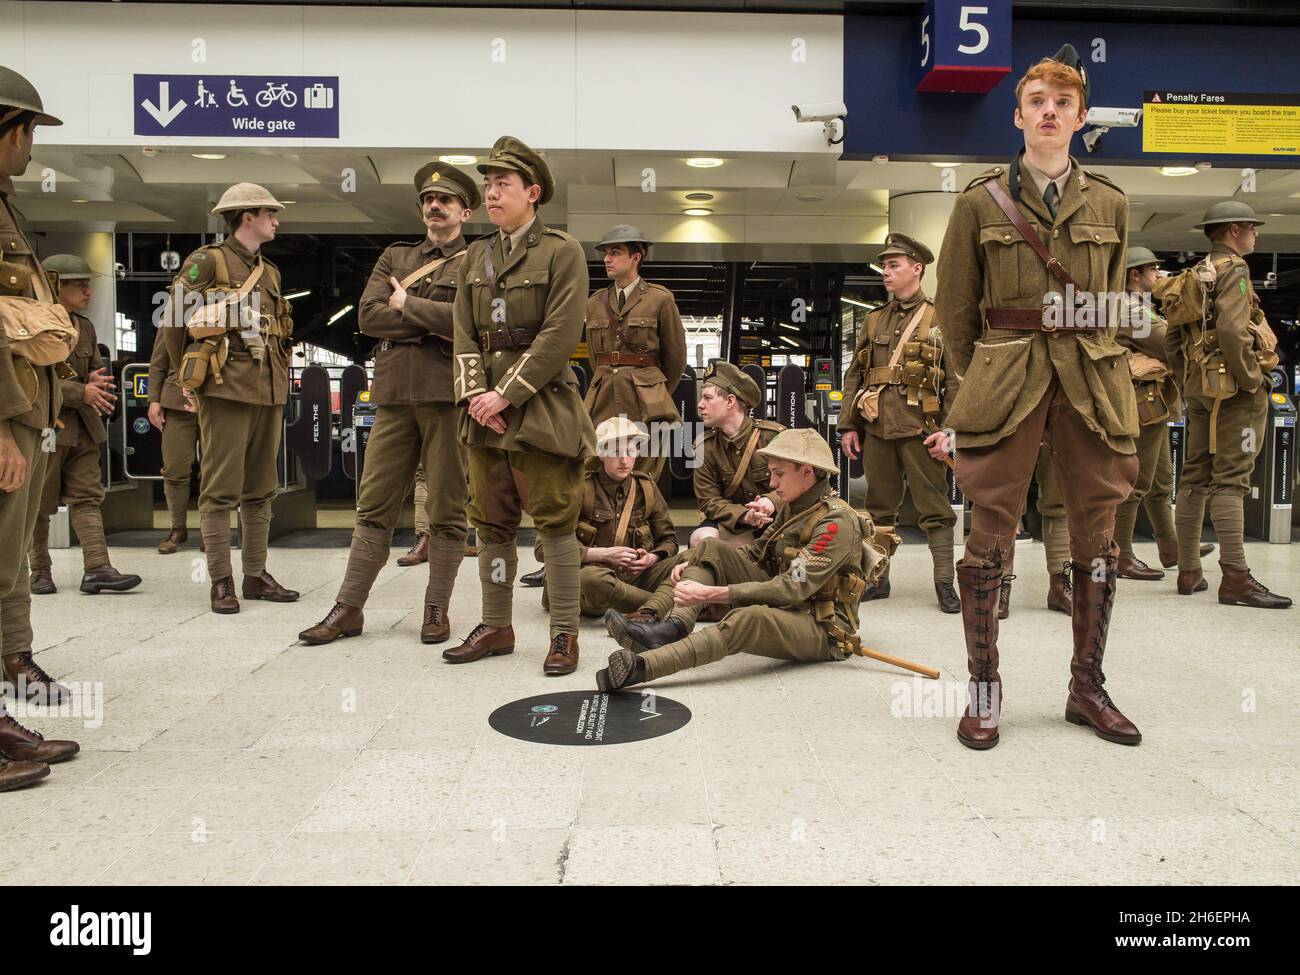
176,418
625,530
1226,364
73,474
29,405
518,319
796,589
242,392
636,343
408,303
895,391
731,484
1024,380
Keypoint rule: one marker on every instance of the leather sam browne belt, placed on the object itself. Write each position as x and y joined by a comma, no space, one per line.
626,359
1044,319
507,338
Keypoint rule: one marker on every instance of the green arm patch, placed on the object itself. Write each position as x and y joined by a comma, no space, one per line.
193,272
1241,283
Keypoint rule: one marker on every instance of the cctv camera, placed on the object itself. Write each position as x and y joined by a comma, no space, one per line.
819,111
1114,118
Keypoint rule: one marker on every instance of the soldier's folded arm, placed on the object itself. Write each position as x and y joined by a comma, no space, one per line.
672,344
1231,317
12,401
374,317
560,328
428,316
831,545
960,285
467,371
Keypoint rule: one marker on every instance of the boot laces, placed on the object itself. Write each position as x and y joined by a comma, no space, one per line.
560,644
8,721
36,672
432,615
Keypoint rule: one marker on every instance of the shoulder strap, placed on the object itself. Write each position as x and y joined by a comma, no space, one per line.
625,518
424,269
220,269
743,467
907,334
1013,213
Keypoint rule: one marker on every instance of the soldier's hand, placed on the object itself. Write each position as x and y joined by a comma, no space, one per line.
691,593
190,405
643,562
938,444
851,444
397,299
157,417
99,398
101,377
13,465
485,406
676,575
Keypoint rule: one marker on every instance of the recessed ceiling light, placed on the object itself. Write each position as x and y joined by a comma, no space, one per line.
697,212
208,155
809,198
944,165
1203,166
699,197
1178,170
880,160
458,160
288,202
87,201
704,162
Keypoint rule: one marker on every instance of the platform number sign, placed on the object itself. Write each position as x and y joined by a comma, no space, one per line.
964,47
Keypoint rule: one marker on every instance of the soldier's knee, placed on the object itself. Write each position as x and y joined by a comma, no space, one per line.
701,535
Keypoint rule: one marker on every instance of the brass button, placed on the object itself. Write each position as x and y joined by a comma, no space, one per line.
1096,236
13,280
1006,236
895,331
987,360
1056,233
478,280
497,354
525,280
428,280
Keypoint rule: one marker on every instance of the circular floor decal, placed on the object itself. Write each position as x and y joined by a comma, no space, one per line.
590,717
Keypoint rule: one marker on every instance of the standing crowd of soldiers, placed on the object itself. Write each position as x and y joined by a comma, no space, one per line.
475,397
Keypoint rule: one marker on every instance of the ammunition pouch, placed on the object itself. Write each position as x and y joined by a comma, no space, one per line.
586,533
1151,404
203,359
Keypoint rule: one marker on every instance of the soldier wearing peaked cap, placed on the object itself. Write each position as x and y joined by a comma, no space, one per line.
636,343
896,393
518,315
408,305
795,590
231,356
1226,360
1020,238
30,399
73,475
730,478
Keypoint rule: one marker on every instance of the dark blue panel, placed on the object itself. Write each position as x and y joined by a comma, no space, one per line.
888,116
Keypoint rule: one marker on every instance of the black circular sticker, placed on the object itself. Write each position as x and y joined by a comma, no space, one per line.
590,717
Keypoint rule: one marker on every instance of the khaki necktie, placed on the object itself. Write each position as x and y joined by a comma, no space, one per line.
622,299
1052,197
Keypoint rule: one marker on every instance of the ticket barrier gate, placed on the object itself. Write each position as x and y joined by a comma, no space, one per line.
128,504
306,447
1268,503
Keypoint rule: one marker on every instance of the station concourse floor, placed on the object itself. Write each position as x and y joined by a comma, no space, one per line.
230,754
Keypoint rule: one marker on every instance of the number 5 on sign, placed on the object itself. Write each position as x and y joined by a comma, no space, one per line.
964,47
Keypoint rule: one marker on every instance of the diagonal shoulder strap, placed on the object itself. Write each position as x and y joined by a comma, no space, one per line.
625,518
424,269
743,467
1013,213
907,334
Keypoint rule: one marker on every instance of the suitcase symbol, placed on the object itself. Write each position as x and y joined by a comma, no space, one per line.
318,96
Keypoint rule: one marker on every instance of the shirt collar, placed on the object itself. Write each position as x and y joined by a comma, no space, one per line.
610,485
1040,179
429,248
6,185
627,292
518,235
913,301
742,435
821,489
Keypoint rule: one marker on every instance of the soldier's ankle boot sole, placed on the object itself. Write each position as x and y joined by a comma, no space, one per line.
317,642
1075,717
979,745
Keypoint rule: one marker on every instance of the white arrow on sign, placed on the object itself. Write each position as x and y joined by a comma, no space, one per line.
168,111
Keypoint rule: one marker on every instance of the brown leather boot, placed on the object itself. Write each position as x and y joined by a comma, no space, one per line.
223,596
105,578
436,628
24,745
1060,594
562,657
624,669
31,682
1004,598
15,775
342,620
640,637
1239,588
265,587
1088,703
947,595
1190,582
174,540
42,583
419,553
1132,567
482,641
981,588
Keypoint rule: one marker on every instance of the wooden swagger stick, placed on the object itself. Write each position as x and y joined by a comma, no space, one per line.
921,669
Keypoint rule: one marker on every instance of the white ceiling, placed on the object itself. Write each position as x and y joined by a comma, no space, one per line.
764,207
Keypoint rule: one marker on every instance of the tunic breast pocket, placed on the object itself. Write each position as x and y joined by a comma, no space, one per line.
598,336
1094,246
525,295
1010,262
642,334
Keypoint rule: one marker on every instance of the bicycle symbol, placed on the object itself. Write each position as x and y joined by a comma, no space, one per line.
273,93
